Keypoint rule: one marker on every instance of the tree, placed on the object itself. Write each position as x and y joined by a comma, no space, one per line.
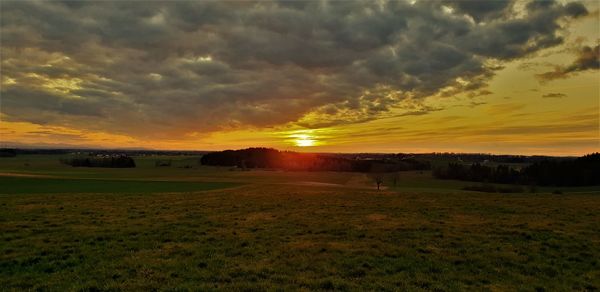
377,174
117,161
5,152
378,179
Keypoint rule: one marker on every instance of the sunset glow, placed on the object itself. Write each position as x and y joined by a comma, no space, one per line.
254,74
304,141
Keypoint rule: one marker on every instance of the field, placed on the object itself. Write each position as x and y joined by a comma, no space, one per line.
187,227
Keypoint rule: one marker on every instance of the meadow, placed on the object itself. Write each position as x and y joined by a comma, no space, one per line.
190,227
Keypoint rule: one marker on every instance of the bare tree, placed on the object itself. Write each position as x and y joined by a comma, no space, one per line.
377,174
378,178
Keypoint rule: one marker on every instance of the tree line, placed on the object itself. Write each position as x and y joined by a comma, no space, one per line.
288,160
119,161
582,171
6,152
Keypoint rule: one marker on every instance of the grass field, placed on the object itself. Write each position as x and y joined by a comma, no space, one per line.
201,228
37,185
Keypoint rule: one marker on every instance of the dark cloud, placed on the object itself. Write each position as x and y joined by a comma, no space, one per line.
554,95
588,58
481,10
166,69
19,100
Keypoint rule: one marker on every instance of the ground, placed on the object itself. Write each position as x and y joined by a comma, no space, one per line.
261,230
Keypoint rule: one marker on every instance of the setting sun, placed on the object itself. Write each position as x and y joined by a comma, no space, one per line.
304,141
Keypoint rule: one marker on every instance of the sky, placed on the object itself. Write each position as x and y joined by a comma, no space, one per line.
504,77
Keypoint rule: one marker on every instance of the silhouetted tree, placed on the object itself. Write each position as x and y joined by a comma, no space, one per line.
6,152
118,161
377,174
271,158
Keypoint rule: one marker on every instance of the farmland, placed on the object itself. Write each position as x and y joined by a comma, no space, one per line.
191,227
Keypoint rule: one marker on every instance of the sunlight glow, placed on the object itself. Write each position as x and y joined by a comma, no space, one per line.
304,141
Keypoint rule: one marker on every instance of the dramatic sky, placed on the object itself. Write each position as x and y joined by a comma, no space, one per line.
515,77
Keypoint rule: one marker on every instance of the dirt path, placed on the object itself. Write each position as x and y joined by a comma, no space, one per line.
356,181
317,184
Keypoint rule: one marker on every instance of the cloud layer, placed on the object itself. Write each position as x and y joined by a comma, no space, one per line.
171,69
588,58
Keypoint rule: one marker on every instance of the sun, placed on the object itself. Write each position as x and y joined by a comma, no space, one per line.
304,141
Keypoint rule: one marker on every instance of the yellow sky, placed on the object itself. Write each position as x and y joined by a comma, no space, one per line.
513,118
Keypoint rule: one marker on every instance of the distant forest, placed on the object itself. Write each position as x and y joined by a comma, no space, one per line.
119,161
582,171
503,169
271,158
544,171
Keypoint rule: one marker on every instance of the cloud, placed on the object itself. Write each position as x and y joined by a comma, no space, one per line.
481,11
171,69
419,112
477,103
554,95
588,58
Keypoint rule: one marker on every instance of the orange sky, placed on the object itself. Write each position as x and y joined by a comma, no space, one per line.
50,98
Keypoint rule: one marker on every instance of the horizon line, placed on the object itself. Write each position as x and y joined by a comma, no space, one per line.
341,152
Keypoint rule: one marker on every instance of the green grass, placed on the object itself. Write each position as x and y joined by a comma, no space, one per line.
275,231
29,185
266,236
